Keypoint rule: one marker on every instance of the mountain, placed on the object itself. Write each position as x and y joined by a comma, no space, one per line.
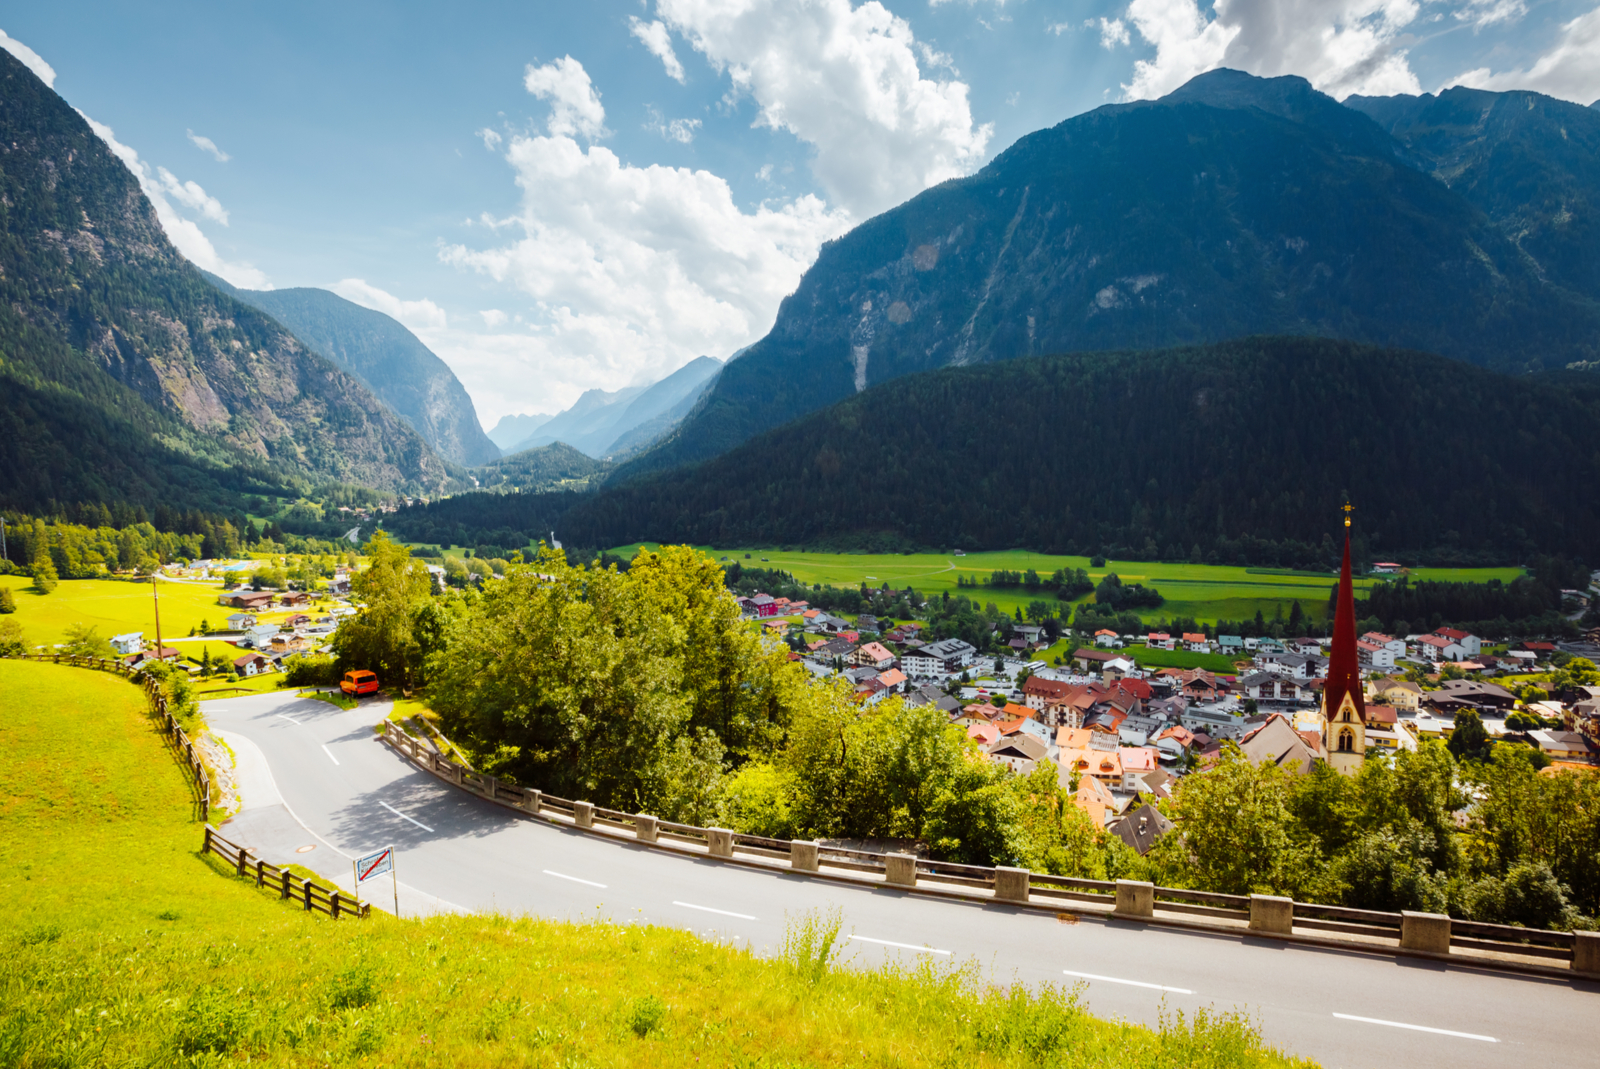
126,375
513,429
556,466
1235,453
387,359
602,424
1233,206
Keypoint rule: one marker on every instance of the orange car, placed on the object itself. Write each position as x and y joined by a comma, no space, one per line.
358,683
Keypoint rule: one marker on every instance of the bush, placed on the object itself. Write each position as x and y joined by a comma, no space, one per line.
309,671
646,1015
8,601
11,641
1529,894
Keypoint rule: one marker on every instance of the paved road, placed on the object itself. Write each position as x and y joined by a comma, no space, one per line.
308,761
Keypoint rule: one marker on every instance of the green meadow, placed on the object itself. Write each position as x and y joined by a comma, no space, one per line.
125,946
1204,592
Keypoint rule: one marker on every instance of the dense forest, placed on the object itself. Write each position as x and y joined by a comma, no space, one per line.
1238,453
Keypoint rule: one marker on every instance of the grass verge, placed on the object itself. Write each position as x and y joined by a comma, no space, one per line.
124,947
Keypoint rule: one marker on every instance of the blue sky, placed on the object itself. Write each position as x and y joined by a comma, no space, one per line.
557,197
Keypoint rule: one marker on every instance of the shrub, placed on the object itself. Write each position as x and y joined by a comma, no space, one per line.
809,942
309,671
646,1015
8,601
11,641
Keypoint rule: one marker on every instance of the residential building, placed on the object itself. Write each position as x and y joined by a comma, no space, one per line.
1141,827
1396,646
1160,640
1400,693
252,664
875,655
1093,660
239,621
131,642
1231,645
1276,741
1021,752
1039,693
1470,643
938,659
1440,648
1105,637
1374,656
1196,642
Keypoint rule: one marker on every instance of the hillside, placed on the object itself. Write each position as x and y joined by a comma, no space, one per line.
549,467
387,359
1233,206
1234,453
605,423
126,375
515,428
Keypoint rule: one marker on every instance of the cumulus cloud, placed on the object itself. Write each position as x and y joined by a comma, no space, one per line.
1340,46
1483,13
205,144
1113,32
655,37
1570,70
419,316
846,81
679,130
493,317
632,271
161,187
29,58
574,103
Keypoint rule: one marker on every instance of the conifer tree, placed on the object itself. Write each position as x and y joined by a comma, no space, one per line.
44,569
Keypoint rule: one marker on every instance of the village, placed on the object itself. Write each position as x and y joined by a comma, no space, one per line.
1120,734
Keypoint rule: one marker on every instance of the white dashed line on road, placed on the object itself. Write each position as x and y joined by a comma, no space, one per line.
902,946
1130,983
708,909
1416,1028
399,814
291,719
574,879
329,752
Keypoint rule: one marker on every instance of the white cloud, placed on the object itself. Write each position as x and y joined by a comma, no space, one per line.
493,317
205,144
1340,46
491,139
1483,13
1570,70
679,130
157,183
1113,32
417,316
632,271
574,103
29,58
659,42
846,81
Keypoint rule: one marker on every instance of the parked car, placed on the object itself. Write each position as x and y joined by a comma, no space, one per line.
359,682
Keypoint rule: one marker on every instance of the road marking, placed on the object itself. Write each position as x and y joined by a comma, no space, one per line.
1416,1027
401,815
708,909
329,752
1130,983
902,946
291,719
574,879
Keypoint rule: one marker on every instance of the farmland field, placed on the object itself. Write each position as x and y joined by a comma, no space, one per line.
1202,591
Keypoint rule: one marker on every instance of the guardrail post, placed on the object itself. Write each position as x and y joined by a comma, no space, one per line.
803,855
1425,931
719,842
530,800
583,814
1271,913
491,788
646,827
1586,952
456,772
900,869
1135,898
1011,884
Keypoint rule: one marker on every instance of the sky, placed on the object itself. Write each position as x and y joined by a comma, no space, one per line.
561,197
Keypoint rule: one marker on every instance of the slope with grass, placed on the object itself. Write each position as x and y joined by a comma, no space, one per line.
125,946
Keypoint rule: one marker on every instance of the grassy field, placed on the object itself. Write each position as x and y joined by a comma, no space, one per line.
126,947
1205,592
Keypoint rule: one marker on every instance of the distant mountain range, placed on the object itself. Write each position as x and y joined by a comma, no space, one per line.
511,430
1234,453
1462,224
126,375
387,359
609,424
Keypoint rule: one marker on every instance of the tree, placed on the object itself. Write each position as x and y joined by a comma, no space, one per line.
83,640
381,637
11,641
1469,739
44,569
1235,821
8,602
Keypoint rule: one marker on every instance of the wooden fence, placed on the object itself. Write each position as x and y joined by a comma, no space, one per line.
1260,914
290,888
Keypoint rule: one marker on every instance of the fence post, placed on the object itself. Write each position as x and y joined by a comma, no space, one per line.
1011,884
900,869
334,898
261,872
284,876
306,885
1271,913
205,845
243,860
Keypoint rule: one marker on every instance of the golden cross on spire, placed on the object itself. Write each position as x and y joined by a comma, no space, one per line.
1347,509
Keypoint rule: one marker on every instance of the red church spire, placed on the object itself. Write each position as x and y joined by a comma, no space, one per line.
1344,665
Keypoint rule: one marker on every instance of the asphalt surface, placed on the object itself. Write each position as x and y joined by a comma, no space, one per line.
313,775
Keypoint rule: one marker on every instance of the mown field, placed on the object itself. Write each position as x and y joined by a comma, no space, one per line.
124,946
1204,592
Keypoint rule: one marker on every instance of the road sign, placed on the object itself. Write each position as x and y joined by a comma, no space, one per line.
374,864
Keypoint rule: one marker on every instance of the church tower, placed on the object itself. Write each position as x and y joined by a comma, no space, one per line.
1344,710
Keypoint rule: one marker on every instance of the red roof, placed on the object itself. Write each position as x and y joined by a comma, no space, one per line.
1194,637
1451,633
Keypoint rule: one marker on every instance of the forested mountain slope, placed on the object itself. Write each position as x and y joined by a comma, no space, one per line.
1233,206
387,359
124,374
1236,453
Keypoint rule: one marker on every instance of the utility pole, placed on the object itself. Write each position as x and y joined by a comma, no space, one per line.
155,596
3,551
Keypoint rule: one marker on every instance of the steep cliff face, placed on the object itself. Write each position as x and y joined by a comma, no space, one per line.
1234,206
100,305
387,359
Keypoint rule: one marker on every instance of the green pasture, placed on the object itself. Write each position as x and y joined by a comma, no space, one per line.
125,946
1204,592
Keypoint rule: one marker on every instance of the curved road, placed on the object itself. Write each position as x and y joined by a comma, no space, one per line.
313,775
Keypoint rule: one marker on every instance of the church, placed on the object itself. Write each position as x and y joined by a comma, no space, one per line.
1344,709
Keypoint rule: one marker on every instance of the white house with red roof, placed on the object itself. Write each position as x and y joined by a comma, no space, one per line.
1106,637
1440,648
1469,642
1373,655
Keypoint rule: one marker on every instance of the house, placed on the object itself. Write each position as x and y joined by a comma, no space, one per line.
1277,742
1039,693
1566,746
1272,687
252,664
763,605
1439,648
238,621
131,642
253,601
875,655
259,636
1106,637
1196,642
1230,645
1093,797
138,657
893,681
1477,694
339,585
1020,752
1385,567
1396,646
1400,693
1159,640
1103,765
1309,647
1136,761
866,622
1141,827
299,619
294,599
938,659
1216,724
1373,655
1091,660
1472,644
1136,730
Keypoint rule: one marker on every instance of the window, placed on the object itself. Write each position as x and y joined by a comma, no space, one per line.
1347,741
